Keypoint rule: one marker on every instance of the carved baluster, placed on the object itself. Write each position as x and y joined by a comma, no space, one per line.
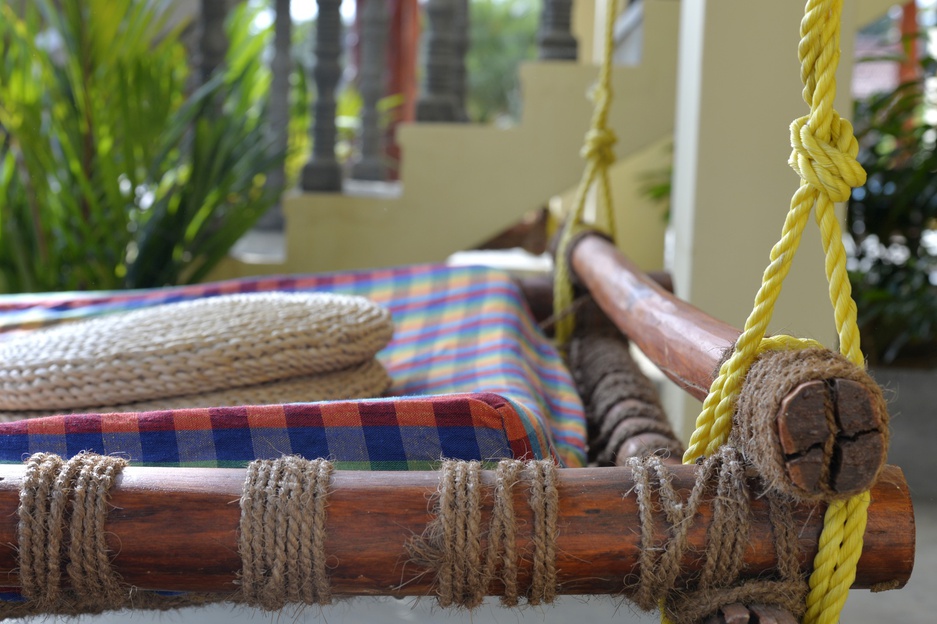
374,21
555,38
213,42
322,172
437,102
459,77
279,107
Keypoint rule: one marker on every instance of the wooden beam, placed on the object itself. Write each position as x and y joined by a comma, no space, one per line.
683,341
176,529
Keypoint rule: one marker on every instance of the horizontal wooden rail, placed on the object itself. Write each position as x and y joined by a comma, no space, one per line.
176,529
683,341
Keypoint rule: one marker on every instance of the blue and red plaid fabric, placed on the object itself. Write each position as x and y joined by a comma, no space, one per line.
377,434
458,331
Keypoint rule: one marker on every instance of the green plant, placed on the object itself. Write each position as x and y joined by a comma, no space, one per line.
111,175
503,34
892,219
657,185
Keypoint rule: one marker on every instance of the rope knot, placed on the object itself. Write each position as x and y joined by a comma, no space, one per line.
828,166
598,147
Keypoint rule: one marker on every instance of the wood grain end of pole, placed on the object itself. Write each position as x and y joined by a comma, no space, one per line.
831,437
750,614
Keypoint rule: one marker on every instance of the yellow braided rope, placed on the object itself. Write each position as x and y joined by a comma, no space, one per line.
824,154
599,156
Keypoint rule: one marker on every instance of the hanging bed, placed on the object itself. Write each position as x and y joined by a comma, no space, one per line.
473,379
468,477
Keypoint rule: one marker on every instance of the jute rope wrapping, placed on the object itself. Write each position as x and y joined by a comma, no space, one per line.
189,348
282,538
772,376
282,533
721,480
451,544
63,506
620,401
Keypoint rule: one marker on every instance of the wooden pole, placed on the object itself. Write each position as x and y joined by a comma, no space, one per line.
176,529
683,341
688,346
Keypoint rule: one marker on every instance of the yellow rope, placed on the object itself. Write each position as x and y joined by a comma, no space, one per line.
599,156
824,155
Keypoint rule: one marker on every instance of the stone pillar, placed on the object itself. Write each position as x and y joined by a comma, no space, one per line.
323,173
213,42
279,120
459,77
555,39
437,101
372,81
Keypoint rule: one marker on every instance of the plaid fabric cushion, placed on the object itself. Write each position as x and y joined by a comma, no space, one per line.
382,434
457,330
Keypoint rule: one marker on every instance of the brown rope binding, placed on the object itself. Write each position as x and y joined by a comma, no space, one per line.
450,546
805,458
282,533
623,410
62,510
723,478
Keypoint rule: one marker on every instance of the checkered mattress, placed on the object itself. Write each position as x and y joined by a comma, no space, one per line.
473,378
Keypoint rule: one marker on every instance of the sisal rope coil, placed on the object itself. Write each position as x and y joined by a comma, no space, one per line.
620,402
451,544
282,533
722,480
189,348
364,380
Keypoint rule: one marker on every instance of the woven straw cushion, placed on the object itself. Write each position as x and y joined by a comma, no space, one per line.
361,381
194,347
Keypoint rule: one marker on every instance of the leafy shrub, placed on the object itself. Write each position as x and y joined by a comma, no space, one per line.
112,175
892,220
503,34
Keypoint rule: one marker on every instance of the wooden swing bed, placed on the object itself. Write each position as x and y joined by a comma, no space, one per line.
731,536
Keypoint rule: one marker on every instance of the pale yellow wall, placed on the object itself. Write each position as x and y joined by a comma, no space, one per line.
464,183
583,27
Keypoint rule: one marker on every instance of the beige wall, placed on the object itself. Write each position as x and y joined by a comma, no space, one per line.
464,183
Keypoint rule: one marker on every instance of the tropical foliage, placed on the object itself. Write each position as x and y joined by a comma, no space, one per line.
503,34
113,174
893,223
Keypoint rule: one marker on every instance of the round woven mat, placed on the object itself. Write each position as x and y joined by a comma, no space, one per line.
361,381
188,348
